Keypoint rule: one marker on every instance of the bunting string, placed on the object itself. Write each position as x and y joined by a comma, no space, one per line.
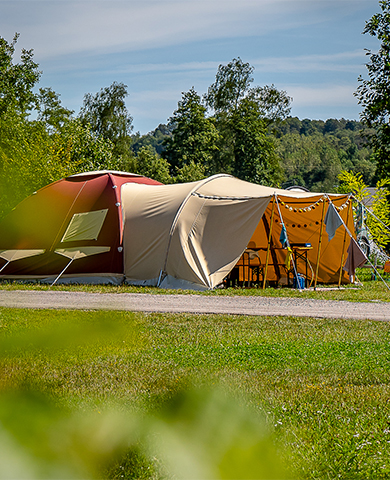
313,206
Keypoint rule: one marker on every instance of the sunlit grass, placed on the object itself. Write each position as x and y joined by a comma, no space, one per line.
322,386
367,290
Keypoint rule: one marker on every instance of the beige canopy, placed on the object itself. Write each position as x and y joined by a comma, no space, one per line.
191,235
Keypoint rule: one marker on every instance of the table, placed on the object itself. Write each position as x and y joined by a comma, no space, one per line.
299,254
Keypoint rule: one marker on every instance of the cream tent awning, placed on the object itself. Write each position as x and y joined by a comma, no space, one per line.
13,255
80,252
189,234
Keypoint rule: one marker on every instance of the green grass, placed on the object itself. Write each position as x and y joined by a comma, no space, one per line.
366,291
317,391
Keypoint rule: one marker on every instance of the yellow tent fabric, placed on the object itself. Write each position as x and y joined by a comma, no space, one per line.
302,219
191,235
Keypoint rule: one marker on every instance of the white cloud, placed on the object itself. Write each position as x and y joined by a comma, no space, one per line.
322,95
338,62
64,27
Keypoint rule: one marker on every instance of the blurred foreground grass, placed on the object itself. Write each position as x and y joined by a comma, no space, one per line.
126,395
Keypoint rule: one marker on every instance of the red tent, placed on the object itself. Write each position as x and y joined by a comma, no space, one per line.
70,226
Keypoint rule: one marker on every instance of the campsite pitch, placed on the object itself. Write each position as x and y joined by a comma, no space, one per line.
117,396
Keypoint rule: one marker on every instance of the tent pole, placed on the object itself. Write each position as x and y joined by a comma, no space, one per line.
320,242
368,260
62,272
289,247
269,243
342,252
372,213
3,267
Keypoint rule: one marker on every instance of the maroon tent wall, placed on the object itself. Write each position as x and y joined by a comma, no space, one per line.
40,221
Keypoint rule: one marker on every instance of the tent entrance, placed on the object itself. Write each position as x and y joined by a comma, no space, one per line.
291,247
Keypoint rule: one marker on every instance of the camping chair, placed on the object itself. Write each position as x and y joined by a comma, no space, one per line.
252,265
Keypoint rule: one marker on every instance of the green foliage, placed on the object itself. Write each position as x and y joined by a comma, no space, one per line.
107,115
151,165
231,84
373,93
17,80
242,133
194,137
255,159
381,209
126,395
190,172
273,104
78,149
25,159
31,157
244,117
313,153
380,206
154,139
50,110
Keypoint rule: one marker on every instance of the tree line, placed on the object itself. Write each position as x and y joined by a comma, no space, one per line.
235,127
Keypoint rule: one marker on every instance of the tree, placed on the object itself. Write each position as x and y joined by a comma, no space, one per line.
373,93
194,136
50,110
380,207
150,164
273,105
32,157
244,117
108,117
231,85
190,172
255,158
17,80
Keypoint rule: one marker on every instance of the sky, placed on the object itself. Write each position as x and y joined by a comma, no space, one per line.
312,49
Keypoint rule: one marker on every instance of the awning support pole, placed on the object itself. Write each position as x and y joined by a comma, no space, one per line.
62,272
269,243
342,252
289,247
3,267
320,242
368,260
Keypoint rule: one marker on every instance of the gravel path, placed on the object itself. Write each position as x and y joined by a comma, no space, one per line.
196,304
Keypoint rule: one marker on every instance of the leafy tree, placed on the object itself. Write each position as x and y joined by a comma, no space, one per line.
154,139
77,149
150,164
380,207
254,152
50,110
190,172
373,93
231,84
194,136
32,157
313,157
17,80
273,105
244,116
108,117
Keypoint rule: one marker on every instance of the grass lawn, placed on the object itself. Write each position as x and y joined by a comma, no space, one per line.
126,395
365,291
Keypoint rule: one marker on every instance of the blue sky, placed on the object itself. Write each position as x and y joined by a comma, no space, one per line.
312,49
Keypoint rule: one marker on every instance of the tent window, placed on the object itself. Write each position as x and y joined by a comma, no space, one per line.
85,226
